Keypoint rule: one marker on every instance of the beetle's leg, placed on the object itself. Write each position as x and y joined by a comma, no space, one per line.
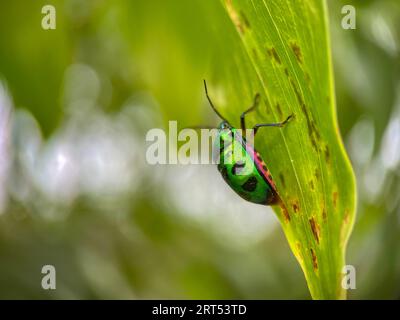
278,124
242,117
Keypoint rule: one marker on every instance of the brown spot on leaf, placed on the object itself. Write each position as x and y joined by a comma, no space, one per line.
335,196
312,128
273,54
287,72
327,154
314,259
344,226
236,18
282,178
324,213
285,212
278,107
298,95
267,106
312,185
316,131
315,229
297,251
245,20
346,218
296,206
297,52
317,174
314,143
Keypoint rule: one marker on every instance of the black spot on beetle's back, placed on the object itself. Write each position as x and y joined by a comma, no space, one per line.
258,156
238,167
250,185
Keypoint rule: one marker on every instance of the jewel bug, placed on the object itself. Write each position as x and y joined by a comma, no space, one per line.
244,171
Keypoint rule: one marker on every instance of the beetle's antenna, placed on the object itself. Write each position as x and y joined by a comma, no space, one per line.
211,104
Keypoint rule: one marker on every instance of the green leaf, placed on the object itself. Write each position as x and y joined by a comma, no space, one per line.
283,52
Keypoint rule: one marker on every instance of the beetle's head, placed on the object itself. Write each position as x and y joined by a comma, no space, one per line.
224,125
225,133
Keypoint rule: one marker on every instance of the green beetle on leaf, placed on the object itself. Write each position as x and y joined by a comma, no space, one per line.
239,163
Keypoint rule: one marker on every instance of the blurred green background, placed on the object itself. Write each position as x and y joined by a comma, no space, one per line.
77,193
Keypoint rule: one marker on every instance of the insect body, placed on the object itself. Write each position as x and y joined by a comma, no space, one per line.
240,164
243,169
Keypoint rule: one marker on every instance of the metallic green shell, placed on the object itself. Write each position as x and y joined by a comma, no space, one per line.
242,168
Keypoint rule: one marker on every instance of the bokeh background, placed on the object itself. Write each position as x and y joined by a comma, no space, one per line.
77,193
